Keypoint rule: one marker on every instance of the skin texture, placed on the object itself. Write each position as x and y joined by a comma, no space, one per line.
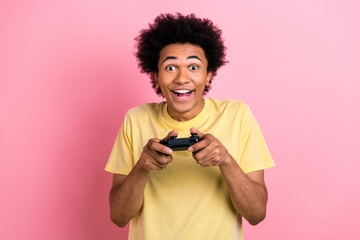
184,66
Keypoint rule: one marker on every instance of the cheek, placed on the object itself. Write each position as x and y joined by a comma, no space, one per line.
162,81
201,81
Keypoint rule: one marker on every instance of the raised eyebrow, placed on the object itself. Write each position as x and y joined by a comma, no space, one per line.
169,57
194,56
175,58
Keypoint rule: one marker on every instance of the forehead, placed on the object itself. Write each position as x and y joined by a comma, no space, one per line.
182,51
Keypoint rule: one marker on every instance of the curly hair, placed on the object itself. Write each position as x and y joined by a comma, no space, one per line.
168,29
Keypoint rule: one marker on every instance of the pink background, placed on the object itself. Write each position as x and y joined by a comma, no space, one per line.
68,75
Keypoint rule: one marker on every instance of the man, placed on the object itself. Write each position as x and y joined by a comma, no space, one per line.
204,191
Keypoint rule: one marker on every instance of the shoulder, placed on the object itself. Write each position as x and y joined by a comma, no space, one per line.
144,110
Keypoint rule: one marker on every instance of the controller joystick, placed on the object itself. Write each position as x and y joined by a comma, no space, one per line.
178,144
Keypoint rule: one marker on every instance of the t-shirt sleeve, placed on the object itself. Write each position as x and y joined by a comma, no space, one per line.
255,154
121,158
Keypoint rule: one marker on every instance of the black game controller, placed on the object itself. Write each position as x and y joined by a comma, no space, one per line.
178,144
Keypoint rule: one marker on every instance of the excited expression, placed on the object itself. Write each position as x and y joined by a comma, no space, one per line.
182,76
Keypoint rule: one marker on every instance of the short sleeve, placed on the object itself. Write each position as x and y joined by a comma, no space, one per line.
121,157
255,154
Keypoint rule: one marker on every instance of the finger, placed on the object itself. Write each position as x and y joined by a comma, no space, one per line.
156,147
159,159
159,152
151,164
209,163
194,130
205,142
172,133
210,159
200,135
204,155
205,163
157,164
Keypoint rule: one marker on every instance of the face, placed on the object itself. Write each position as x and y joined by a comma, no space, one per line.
182,76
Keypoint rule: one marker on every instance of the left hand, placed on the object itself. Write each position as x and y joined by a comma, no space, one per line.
211,152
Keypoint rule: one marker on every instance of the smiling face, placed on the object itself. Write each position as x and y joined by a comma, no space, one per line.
182,76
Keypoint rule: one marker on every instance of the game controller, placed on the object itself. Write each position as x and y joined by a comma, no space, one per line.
178,144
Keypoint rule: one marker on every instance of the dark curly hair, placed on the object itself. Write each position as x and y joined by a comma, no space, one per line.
168,29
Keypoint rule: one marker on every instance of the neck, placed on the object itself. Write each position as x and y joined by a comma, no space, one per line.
186,116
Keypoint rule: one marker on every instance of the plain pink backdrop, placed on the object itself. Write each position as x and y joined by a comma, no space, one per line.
68,75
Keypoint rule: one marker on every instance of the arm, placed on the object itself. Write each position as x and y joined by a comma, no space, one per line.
127,192
248,192
125,199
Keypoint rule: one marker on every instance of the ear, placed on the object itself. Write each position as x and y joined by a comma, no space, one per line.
208,78
154,76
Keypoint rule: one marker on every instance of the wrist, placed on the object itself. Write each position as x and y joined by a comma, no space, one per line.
228,161
141,169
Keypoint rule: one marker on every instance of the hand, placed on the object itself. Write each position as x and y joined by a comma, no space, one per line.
156,156
209,151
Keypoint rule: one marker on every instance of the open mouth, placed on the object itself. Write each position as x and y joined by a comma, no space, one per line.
182,93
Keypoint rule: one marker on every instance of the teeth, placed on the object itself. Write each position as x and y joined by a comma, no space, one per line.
182,91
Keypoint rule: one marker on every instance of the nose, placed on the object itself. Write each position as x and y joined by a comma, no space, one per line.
182,77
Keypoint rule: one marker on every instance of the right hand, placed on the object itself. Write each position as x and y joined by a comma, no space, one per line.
153,155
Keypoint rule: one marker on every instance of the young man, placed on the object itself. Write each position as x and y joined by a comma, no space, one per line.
202,192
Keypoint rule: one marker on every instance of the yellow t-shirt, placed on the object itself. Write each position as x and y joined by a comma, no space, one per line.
186,201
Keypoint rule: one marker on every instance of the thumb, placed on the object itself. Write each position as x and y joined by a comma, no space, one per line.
194,130
171,134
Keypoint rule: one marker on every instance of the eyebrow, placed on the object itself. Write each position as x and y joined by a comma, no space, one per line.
189,57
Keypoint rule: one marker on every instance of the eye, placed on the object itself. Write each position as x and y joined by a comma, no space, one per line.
194,67
170,68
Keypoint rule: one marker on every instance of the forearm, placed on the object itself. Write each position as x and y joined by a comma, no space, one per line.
248,197
126,199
